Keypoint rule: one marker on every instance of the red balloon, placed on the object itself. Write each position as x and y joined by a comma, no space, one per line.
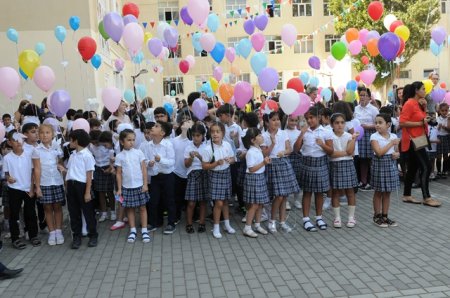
402,48
184,66
130,8
443,85
394,25
174,49
375,10
269,106
358,78
87,47
365,60
296,84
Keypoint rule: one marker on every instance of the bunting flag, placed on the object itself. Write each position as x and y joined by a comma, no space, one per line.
248,9
169,21
232,13
264,5
176,22
152,24
240,11
231,24
144,24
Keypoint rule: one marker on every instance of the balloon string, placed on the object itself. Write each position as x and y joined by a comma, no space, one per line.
87,79
17,50
82,81
64,66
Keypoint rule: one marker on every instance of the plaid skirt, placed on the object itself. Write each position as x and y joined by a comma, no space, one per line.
103,181
255,189
343,174
384,174
296,162
197,186
134,197
314,174
444,146
280,178
52,194
364,147
220,186
5,196
241,173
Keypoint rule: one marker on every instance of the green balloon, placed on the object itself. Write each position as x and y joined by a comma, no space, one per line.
102,31
338,50
350,96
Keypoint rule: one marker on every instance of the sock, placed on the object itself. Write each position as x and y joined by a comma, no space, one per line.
132,230
305,219
318,217
307,223
144,230
216,228
247,227
337,212
257,224
227,223
58,232
351,211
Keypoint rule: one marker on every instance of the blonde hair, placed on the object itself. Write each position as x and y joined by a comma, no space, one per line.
146,103
432,74
46,125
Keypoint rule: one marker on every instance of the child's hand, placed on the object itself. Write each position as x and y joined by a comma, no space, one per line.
119,193
151,163
229,159
144,188
280,154
233,135
395,155
38,192
157,158
220,162
61,169
11,180
355,135
267,160
395,142
319,142
192,154
87,197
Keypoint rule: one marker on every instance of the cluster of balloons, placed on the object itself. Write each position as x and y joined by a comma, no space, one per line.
438,36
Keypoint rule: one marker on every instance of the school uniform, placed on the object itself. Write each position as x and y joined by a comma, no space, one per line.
383,170
9,128
179,145
342,169
197,188
366,115
102,181
234,168
132,179
443,147
314,173
280,177
255,186
295,157
80,162
433,135
52,182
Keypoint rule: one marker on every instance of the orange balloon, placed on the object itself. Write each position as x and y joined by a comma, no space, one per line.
372,47
443,85
235,70
226,92
351,34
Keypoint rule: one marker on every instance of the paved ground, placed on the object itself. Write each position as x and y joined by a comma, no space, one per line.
410,260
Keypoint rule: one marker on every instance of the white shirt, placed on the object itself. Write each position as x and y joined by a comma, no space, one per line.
102,155
220,152
9,127
382,142
254,157
340,144
130,162
79,164
140,137
19,167
433,135
228,130
49,158
444,122
310,147
366,115
28,148
280,142
293,135
196,163
165,151
179,145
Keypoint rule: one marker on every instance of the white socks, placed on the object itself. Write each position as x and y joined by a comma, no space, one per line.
351,211
132,230
144,230
216,228
337,212
307,223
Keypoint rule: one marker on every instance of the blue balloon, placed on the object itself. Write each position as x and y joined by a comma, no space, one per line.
96,61
245,47
39,48
141,91
60,33
258,62
196,41
218,52
74,23
206,87
435,48
304,77
213,22
23,74
313,82
169,108
128,95
326,94
137,59
12,35
352,85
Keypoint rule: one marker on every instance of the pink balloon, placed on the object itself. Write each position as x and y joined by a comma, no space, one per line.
119,64
198,10
2,132
218,73
230,53
340,91
363,34
111,97
208,41
289,34
368,76
243,92
331,62
303,106
258,40
447,98
81,123
232,101
355,47
133,37
44,78
9,81
191,60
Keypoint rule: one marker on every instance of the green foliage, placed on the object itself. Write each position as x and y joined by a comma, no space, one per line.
418,16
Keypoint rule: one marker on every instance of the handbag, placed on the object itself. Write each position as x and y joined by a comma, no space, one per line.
421,142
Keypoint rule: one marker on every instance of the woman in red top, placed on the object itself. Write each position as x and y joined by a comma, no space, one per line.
413,121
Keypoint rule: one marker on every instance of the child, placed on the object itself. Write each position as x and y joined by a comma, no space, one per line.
342,169
295,157
443,147
315,143
384,173
132,183
47,163
432,153
216,158
325,122
281,180
197,178
80,170
6,118
5,149
255,187
18,169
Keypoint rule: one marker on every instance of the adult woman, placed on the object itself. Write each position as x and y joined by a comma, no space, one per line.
18,115
120,115
413,121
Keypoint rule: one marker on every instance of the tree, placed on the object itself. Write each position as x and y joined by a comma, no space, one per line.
418,16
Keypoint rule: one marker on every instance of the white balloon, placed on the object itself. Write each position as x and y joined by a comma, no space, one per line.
388,20
289,101
162,26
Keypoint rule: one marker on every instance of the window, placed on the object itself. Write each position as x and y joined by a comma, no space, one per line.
274,10
444,6
245,77
234,6
404,74
329,40
301,8
233,41
173,83
273,44
426,72
168,11
200,54
326,9
305,44
280,81
101,11
178,52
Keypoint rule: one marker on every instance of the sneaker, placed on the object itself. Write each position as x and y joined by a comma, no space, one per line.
7,236
59,238
249,233
261,230
152,228
286,228
169,230
244,219
102,217
51,239
288,206
272,227
337,223
229,230
366,187
298,204
432,176
217,235
390,222
117,226
378,221
112,216
351,222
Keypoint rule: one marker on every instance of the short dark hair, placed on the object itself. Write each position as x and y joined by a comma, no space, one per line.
192,97
78,115
251,119
251,133
385,117
6,116
166,127
124,133
95,135
105,137
112,124
29,126
160,110
94,122
225,109
81,136
149,125
70,113
10,134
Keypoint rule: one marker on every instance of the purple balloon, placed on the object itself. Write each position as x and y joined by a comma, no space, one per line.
200,108
268,79
314,62
60,102
129,18
119,64
437,95
113,24
373,34
388,45
155,46
261,22
249,26
171,37
438,35
185,16
359,129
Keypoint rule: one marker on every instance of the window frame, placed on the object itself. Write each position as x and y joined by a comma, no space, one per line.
300,44
165,7
168,81
299,5
330,39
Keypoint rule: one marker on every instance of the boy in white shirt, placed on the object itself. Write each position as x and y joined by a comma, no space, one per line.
6,118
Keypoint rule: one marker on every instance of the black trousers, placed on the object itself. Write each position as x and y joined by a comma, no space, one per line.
180,191
76,204
16,197
162,192
417,161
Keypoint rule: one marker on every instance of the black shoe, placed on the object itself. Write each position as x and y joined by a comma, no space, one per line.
92,242
76,242
169,230
190,229
10,273
201,228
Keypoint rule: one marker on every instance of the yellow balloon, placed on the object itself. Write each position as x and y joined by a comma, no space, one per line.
147,37
402,32
214,84
428,86
28,61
